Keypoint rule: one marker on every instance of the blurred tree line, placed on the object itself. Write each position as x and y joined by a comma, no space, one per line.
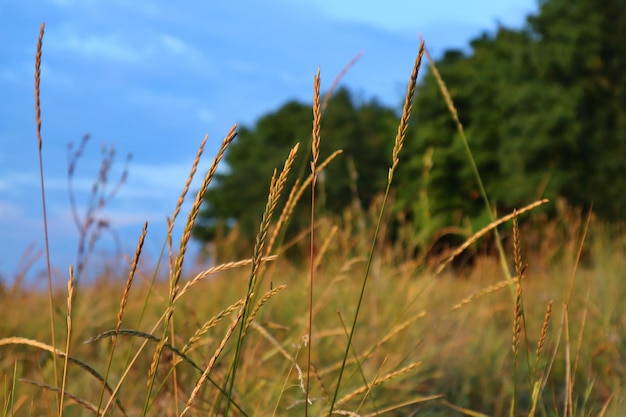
543,108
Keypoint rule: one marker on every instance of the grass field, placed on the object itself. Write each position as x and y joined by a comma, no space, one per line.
363,327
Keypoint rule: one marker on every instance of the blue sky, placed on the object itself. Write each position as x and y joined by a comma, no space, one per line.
152,77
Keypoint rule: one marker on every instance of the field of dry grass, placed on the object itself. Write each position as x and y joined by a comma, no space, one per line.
362,328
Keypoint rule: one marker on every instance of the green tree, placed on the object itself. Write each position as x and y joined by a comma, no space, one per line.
543,110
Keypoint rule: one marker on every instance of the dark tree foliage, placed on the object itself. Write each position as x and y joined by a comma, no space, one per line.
543,109
363,130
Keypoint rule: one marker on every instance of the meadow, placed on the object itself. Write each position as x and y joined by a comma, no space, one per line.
363,326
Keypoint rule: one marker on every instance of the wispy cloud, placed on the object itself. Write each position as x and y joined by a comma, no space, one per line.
163,179
115,45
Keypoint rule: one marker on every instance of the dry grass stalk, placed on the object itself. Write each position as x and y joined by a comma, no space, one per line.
91,224
517,251
517,318
485,291
178,265
398,144
209,324
317,118
276,187
207,370
315,149
131,276
155,361
70,295
486,230
404,404
444,92
406,113
337,79
181,200
290,358
283,218
37,83
370,386
170,247
61,354
463,410
262,301
544,330
195,209
324,248
219,268
183,194
384,379
263,331
294,196
397,329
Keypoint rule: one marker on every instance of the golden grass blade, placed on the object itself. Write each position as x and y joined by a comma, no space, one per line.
209,324
398,144
485,291
178,264
70,295
540,343
220,268
315,149
294,196
276,187
262,301
285,354
517,318
324,247
43,197
195,209
382,380
148,338
465,411
207,370
283,217
131,276
404,404
517,251
123,301
335,83
406,113
183,194
544,332
482,232
371,385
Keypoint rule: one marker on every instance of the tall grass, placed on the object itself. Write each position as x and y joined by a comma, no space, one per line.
260,336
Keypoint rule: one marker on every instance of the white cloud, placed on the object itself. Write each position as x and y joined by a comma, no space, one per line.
11,181
205,115
163,179
108,46
177,46
9,211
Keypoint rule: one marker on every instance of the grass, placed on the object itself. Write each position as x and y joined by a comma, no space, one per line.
362,330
